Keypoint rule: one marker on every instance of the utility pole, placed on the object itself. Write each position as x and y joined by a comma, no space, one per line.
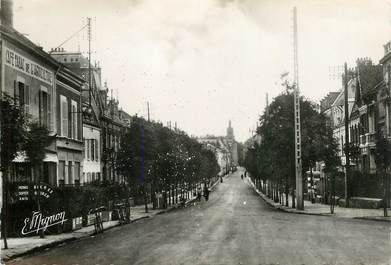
89,59
296,98
347,149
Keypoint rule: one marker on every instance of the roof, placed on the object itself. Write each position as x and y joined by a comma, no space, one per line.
327,101
20,39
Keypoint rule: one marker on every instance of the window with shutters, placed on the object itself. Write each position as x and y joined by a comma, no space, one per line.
74,120
85,148
22,94
64,116
70,173
96,150
88,149
44,108
92,149
27,99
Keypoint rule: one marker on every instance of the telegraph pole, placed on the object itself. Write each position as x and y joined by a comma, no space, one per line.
296,98
347,149
89,59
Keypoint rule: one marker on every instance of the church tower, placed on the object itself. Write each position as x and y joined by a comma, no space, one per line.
232,145
230,132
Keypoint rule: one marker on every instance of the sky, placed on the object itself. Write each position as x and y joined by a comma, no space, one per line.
201,63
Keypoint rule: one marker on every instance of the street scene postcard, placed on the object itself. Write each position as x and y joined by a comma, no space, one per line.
195,132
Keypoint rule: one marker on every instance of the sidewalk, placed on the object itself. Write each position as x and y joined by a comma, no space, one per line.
324,210
25,245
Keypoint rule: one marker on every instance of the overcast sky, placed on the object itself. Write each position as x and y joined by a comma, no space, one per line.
204,62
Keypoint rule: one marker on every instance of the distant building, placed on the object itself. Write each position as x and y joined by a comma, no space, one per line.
225,148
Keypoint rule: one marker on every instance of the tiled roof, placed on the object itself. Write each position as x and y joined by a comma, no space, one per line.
327,101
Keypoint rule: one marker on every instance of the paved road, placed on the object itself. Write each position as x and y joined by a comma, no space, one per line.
234,227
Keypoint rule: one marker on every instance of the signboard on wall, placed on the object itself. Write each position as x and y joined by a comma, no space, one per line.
25,192
26,66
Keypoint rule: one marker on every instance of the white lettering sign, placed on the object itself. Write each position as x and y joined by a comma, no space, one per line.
22,64
38,222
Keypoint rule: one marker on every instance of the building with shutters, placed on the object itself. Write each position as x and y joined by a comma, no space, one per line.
103,120
49,94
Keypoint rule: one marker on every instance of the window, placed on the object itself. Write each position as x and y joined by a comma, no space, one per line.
74,127
61,171
70,173
88,149
44,107
93,176
96,150
98,176
84,148
22,93
64,116
92,149
88,177
77,171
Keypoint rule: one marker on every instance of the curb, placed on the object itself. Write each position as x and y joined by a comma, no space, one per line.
372,219
41,248
66,240
280,208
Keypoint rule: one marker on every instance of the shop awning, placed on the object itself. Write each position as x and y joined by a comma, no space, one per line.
22,158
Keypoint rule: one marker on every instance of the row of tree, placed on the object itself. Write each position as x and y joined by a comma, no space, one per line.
273,160
167,161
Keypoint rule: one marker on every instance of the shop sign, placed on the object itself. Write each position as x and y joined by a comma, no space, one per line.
26,192
40,222
24,65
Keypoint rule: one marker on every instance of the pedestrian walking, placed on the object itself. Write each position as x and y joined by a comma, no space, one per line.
206,193
199,195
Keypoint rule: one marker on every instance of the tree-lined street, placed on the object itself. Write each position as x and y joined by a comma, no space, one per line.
234,227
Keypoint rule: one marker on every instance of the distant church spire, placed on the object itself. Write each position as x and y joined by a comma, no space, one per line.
230,131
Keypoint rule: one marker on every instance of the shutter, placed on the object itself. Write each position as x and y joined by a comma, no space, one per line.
49,110
16,91
40,106
64,109
96,150
27,99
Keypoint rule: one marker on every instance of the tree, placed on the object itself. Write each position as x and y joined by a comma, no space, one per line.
274,159
36,142
12,121
137,154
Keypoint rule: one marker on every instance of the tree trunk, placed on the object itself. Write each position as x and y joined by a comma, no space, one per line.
4,215
286,191
293,199
145,197
385,193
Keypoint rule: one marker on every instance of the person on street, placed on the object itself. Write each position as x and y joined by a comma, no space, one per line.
199,195
206,193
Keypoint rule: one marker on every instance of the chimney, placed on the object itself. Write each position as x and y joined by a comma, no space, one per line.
6,13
